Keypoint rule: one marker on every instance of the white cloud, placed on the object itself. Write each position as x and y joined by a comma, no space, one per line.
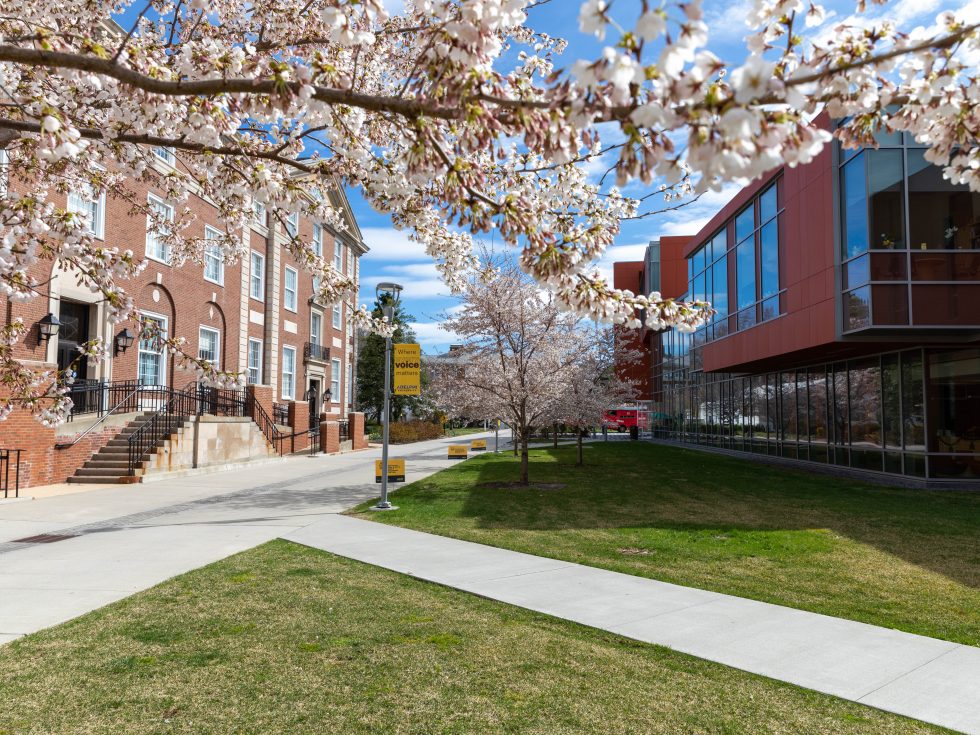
432,336
388,244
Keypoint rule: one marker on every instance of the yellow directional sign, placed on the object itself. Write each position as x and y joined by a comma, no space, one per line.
478,445
396,470
408,370
457,451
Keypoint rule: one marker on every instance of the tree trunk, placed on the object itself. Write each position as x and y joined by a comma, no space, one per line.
556,436
581,459
524,468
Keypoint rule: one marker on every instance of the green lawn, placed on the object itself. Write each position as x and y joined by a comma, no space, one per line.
466,430
285,639
907,559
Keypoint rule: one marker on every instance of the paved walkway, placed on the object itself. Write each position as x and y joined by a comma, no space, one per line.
126,538
928,679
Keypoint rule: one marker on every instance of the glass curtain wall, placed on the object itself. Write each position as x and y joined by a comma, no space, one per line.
915,412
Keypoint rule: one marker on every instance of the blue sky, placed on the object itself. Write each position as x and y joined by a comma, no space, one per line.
393,257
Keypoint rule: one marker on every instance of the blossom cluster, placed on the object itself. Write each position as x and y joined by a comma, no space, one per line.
438,125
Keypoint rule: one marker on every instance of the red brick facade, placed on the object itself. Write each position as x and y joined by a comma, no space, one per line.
199,310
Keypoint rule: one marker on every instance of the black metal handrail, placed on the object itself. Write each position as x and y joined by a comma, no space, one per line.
266,425
344,429
220,401
177,406
99,396
128,404
6,457
280,413
314,351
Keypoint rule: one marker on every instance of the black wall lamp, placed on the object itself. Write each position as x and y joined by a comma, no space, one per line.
47,327
124,340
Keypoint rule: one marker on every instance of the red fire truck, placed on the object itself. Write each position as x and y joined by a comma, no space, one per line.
621,419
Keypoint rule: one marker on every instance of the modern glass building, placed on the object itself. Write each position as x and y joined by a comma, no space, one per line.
848,324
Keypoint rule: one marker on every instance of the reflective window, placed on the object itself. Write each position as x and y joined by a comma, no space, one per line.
857,308
854,207
744,224
769,259
745,273
941,215
885,184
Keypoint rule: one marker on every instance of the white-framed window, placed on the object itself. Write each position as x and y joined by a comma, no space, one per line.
156,246
335,380
316,327
258,211
256,277
292,224
166,154
350,388
92,205
290,283
318,239
152,358
214,259
254,361
209,345
288,372
336,316
338,255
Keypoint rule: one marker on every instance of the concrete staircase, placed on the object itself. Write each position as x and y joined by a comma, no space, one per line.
110,465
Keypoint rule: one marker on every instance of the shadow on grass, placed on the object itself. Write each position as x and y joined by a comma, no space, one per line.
753,508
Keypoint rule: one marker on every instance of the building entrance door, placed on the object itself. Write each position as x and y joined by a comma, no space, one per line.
73,332
313,395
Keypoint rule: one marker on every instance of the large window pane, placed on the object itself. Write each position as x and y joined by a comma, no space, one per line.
857,272
855,207
770,259
913,405
840,408
744,223
885,181
891,391
818,406
954,400
720,287
941,215
865,410
745,273
857,308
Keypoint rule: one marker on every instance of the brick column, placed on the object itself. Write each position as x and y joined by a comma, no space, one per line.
262,394
330,437
358,439
22,431
299,421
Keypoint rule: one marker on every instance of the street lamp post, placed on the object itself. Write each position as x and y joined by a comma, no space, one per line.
389,294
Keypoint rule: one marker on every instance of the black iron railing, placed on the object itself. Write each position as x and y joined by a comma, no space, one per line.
102,396
174,407
266,425
10,472
313,351
128,403
344,430
220,401
280,413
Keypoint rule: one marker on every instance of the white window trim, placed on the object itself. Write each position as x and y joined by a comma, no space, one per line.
167,154
292,375
336,318
251,274
318,239
286,289
258,212
208,229
163,352
338,255
97,225
335,394
316,336
248,356
292,224
217,344
151,198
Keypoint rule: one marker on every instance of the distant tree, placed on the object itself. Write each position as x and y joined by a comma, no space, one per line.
371,367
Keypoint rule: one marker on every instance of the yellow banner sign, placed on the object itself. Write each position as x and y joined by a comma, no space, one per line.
478,445
408,370
396,470
457,451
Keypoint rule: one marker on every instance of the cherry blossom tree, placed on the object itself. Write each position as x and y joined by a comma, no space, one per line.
590,385
436,124
518,346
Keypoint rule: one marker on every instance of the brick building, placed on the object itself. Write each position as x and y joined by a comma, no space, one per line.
848,325
257,316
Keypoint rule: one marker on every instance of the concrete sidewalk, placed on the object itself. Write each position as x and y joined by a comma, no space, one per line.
925,678
121,539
